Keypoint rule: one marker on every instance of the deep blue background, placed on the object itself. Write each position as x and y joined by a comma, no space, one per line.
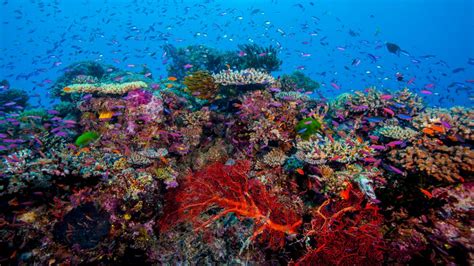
40,38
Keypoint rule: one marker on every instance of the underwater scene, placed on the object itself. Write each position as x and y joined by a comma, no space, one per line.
236,132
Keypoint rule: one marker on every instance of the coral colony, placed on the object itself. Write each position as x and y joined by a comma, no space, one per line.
218,164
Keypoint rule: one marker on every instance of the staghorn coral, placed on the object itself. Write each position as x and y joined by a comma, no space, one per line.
449,164
105,88
398,132
316,151
201,84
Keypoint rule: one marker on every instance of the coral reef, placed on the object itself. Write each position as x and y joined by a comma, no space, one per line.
223,163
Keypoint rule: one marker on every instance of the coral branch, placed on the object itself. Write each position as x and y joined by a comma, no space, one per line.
227,187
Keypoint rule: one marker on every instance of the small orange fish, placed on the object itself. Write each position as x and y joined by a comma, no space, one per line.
172,78
116,151
428,131
426,193
436,128
83,150
169,86
67,89
164,160
300,171
359,139
13,202
105,115
346,192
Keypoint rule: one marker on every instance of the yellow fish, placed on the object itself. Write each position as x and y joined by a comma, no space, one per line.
106,115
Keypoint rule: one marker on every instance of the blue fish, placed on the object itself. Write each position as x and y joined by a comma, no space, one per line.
375,119
404,116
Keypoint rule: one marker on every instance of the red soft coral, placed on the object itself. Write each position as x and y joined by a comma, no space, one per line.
228,188
347,232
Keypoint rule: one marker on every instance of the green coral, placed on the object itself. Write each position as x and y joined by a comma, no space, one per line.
308,127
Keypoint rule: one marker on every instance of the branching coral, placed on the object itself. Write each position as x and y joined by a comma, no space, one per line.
201,85
108,88
228,187
451,164
318,152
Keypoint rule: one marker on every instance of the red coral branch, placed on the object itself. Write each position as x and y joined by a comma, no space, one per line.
228,188
347,232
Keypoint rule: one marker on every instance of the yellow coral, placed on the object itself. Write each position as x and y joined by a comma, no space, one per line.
201,84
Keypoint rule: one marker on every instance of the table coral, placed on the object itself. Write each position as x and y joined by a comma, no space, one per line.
243,77
106,88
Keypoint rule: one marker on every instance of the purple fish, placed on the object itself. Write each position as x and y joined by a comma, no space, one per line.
9,104
275,104
87,97
396,170
3,148
56,129
61,134
275,89
377,147
445,124
69,121
53,112
393,144
2,136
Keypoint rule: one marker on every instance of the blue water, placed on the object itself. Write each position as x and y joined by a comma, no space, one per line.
41,38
